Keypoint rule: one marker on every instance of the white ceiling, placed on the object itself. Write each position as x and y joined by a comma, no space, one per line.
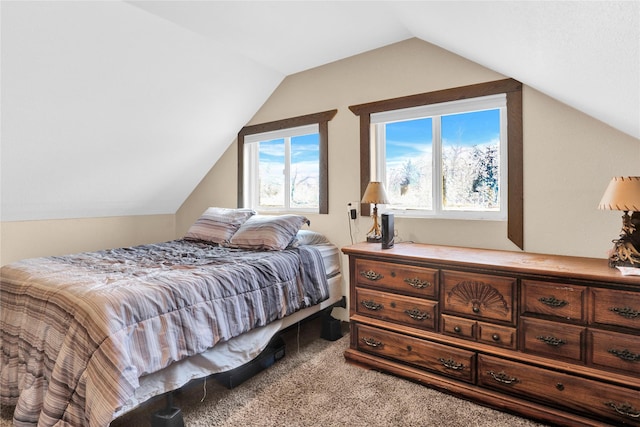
97,95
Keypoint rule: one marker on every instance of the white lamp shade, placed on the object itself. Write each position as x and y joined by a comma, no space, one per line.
375,194
622,194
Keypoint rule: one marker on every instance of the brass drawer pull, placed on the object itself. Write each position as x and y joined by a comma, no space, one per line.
625,355
372,305
503,378
416,314
553,302
626,312
624,409
418,283
451,364
552,341
372,342
371,275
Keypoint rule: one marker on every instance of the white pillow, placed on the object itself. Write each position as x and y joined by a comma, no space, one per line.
310,237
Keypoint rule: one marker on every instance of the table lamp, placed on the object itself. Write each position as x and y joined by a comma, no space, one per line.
375,194
623,194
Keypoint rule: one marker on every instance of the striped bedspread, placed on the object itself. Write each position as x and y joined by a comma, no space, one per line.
76,332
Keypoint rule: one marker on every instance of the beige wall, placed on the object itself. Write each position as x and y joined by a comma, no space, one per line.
568,156
28,239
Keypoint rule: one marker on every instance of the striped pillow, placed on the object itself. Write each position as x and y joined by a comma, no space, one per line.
270,232
217,225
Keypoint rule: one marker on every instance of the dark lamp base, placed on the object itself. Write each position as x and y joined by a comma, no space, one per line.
625,250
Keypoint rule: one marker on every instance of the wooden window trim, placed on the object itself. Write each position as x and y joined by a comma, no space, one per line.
512,88
322,119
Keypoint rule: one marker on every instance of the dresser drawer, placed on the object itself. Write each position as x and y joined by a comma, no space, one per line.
619,308
417,312
611,350
575,393
478,295
416,281
450,361
554,299
459,327
553,339
487,333
501,336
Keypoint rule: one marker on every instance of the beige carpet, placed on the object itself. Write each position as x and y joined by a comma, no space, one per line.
313,386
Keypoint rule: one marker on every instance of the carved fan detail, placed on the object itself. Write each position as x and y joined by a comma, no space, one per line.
478,295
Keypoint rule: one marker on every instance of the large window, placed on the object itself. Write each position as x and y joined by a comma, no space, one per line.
453,153
443,160
282,166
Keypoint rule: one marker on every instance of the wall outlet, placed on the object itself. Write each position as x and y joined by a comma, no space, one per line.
352,209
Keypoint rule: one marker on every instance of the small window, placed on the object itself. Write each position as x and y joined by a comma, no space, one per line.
286,170
444,160
282,165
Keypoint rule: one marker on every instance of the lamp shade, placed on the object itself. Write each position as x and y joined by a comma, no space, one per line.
622,194
375,194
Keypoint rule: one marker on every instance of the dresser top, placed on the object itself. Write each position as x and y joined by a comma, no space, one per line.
593,269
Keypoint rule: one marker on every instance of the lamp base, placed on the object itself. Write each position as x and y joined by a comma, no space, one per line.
624,254
625,249
374,239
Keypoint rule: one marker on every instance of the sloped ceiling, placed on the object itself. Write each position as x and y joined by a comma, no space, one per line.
120,108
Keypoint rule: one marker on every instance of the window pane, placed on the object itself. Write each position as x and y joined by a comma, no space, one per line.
305,171
408,163
271,167
471,161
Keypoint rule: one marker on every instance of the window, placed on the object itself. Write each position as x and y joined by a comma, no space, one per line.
443,160
285,172
282,165
457,180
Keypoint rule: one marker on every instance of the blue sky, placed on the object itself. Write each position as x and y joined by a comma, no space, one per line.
409,139
303,147
476,128
413,138
304,150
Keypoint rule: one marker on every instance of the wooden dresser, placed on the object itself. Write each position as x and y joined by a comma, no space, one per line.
551,338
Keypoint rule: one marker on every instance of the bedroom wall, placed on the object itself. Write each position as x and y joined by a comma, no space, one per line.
569,157
27,239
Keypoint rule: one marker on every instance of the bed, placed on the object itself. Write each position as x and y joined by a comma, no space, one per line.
85,338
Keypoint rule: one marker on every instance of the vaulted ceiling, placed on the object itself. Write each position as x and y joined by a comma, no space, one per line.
120,108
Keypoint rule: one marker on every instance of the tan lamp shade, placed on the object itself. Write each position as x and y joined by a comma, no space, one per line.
375,194
622,194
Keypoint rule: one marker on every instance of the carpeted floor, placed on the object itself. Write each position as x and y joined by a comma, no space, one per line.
313,386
